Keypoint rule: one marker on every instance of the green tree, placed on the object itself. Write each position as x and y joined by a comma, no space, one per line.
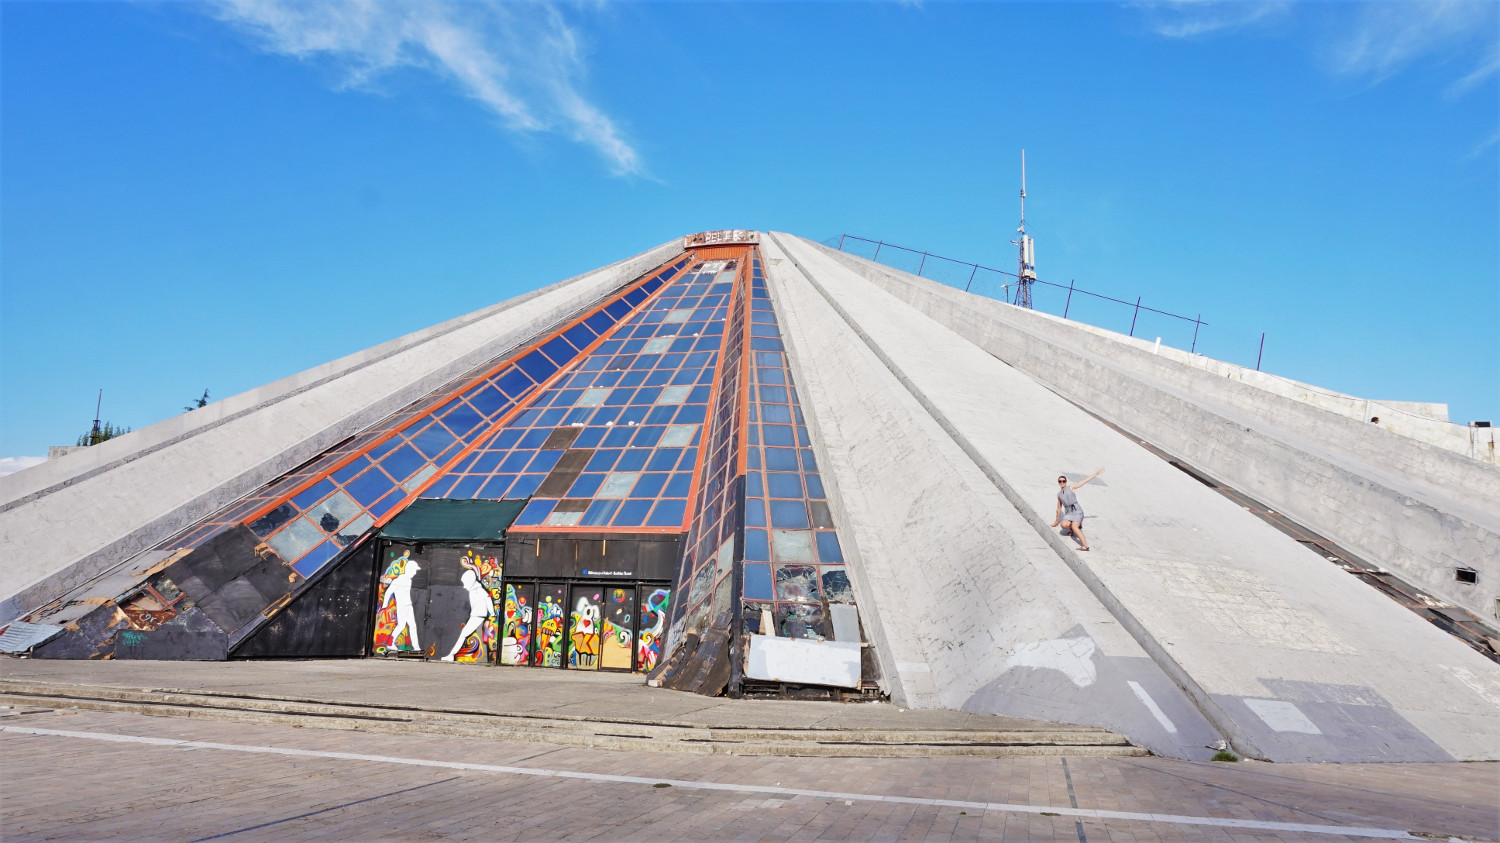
200,401
102,433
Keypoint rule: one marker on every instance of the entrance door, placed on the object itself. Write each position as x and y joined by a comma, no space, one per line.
583,627
551,621
515,640
653,614
617,639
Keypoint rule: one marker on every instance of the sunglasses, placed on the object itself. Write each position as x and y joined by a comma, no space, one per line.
1062,479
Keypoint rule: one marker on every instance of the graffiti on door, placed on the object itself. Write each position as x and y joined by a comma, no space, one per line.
481,581
583,631
653,624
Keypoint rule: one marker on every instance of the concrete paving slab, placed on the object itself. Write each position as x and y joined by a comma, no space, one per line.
144,777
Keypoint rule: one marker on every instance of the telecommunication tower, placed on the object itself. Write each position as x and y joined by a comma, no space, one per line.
1026,250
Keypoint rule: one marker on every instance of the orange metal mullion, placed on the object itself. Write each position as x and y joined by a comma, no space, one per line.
745,355
425,413
713,396
540,388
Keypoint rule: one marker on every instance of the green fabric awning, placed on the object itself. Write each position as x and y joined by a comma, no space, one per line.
453,520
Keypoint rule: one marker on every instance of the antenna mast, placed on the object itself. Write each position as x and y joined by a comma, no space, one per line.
1026,250
96,433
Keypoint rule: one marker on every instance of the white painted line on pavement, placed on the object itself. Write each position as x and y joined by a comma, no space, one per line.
1084,813
1151,706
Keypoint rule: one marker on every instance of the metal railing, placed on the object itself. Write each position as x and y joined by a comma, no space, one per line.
973,277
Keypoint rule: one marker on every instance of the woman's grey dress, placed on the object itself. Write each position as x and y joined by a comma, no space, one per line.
1071,510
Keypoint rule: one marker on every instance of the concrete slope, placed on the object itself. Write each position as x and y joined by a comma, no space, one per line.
1419,510
66,521
966,605
1290,657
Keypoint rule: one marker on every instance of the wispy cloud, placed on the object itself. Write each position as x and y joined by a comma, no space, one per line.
10,465
1194,18
522,61
1388,37
1484,146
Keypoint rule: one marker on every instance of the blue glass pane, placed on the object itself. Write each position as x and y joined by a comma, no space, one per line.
814,487
402,462
505,440
498,488
536,511
777,434
600,322
617,310
344,474
462,420
369,486
756,547
599,512
633,459
441,487
532,439
590,437
315,559
513,383
781,459
649,486
758,582
317,492
678,486
544,461
384,505
537,366
579,335
585,486
668,513
467,488
526,486
487,399
829,551
632,513
433,440
755,512
784,485
560,350
789,514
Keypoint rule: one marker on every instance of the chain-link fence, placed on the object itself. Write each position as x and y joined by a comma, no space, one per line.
1068,301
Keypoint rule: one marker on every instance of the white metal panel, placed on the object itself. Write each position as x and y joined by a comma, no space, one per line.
804,662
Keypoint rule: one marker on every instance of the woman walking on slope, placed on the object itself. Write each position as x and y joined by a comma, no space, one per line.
1069,513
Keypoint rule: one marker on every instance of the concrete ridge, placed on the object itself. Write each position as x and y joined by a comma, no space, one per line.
1200,698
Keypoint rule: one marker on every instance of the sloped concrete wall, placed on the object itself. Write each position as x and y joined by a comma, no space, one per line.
1417,509
966,605
1286,655
64,521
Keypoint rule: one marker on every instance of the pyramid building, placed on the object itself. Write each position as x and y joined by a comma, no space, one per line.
747,464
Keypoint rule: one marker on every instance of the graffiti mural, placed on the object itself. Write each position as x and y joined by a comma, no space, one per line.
653,624
516,641
481,580
583,631
550,613
615,645
395,617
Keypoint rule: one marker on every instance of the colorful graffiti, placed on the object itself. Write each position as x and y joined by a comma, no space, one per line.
481,579
583,633
516,640
615,649
653,622
549,629
396,620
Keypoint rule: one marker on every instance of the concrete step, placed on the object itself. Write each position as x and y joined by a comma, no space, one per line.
598,734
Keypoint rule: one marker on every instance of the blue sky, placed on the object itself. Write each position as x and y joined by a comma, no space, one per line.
216,195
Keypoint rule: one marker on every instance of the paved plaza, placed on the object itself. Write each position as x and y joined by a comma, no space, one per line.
90,775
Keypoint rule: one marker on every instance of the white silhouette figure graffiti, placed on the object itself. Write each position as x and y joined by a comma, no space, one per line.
400,591
481,608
